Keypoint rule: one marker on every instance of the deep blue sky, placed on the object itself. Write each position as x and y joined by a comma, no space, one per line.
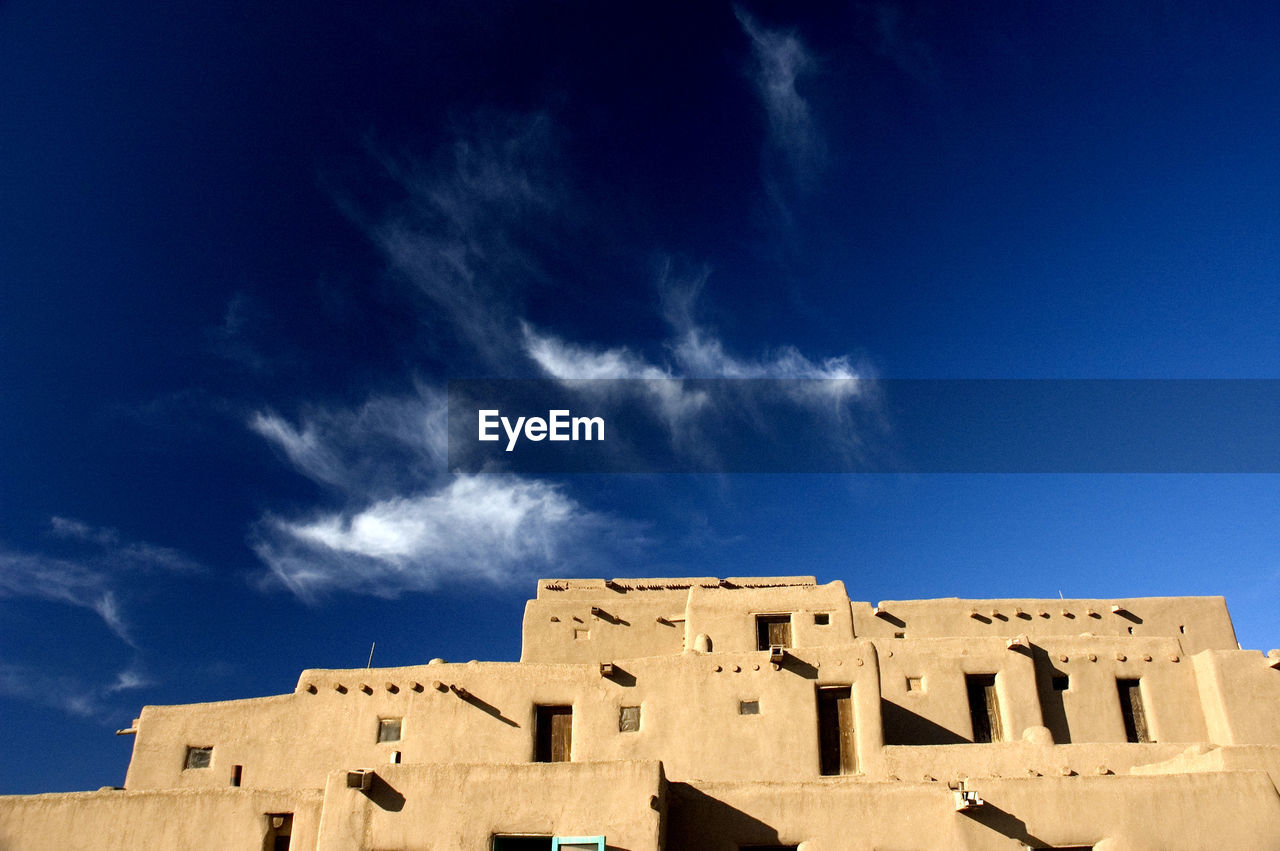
245,245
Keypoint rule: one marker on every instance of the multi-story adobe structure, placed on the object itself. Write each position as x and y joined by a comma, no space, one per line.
714,715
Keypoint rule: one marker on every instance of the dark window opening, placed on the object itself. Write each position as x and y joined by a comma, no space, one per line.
388,729
899,635
236,773
279,830
822,619
837,747
629,719
553,733
1061,683
522,843
749,707
773,631
1135,717
984,707
198,758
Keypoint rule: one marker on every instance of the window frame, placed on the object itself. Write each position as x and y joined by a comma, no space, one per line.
382,725
192,750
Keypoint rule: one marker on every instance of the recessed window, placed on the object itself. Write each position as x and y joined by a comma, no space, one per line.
749,707
915,684
1133,712
198,757
237,773
388,729
279,831
773,631
548,843
628,719
822,619
899,635
522,843
581,634
553,734
984,707
1061,683
837,752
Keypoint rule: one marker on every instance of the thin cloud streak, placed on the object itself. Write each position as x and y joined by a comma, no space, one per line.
458,239
71,694
781,60
96,582
387,444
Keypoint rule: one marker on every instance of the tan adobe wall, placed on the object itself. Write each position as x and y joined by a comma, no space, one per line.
1242,692
460,807
127,821
1192,811
1199,623
591,621
689,714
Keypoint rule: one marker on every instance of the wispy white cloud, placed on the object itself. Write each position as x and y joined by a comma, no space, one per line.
97,581
781,61
117,552
461,237
75,695
388,443
694,351
474,528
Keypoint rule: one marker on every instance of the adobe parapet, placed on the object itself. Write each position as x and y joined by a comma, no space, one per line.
597,620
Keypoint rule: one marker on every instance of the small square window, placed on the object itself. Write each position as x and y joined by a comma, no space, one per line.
822,619
388,729
749,707
581,634
899,635
199,757
628,719
915,684
1061,683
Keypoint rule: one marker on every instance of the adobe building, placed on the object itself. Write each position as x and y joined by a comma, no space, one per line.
716,715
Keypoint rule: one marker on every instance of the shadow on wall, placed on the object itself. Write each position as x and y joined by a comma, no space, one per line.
904,727
1051,706
799,667
485,706
710,824
1006,824
385,795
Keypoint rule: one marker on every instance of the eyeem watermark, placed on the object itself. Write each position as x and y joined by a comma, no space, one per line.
559,425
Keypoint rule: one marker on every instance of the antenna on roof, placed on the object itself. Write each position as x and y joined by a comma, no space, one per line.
370,663
1060,597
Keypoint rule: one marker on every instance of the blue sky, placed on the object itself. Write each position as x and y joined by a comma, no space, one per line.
244,248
